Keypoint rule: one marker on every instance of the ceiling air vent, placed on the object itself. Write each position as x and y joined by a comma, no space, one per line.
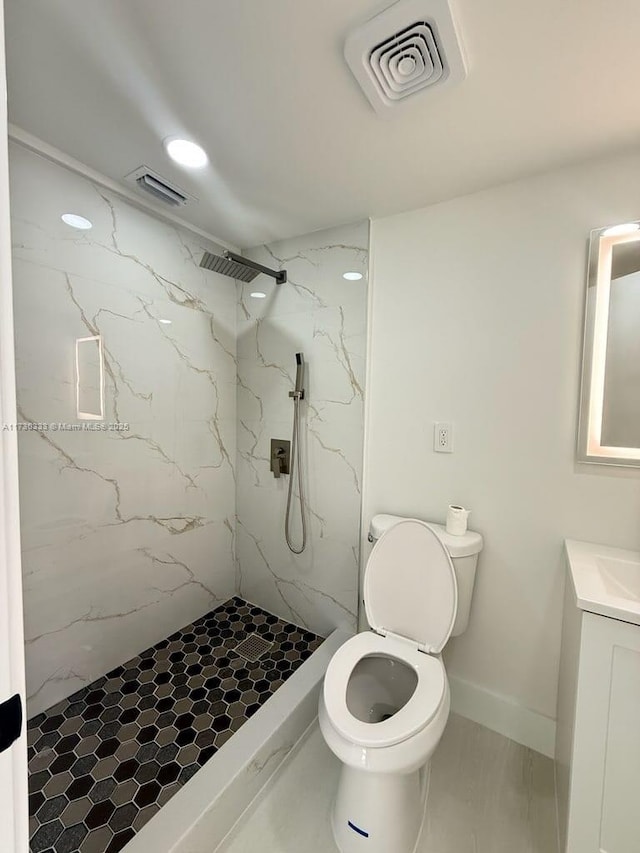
409,47
155,185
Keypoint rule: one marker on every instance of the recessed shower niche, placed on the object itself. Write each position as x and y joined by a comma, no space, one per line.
89,378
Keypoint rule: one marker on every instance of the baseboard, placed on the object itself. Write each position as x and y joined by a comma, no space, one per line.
503,715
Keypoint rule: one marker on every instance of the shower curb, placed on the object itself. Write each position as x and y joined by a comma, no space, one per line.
201,814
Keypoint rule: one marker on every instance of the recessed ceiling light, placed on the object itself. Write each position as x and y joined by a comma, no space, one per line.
186,153
76,221
352,276
258,294
165,322
619,230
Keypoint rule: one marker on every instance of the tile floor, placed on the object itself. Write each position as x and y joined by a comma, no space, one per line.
103,761
487,795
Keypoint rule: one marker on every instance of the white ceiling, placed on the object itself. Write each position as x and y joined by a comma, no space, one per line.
293,143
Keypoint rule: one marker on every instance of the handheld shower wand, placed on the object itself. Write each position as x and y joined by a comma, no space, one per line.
298,392
297,395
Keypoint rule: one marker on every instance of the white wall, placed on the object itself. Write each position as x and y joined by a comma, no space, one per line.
128,536
477,312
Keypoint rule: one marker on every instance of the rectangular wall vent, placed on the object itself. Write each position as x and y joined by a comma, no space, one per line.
160,188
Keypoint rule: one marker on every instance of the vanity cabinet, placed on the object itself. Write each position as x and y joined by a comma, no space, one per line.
598,729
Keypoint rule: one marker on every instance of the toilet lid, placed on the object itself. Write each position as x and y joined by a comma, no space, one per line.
410,586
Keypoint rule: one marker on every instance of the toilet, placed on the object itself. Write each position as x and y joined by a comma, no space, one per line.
385,699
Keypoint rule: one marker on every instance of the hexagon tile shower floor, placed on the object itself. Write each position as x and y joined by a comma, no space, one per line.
105,760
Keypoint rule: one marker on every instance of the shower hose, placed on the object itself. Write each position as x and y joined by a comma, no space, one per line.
295,462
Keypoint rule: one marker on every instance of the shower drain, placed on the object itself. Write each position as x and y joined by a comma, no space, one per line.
253,647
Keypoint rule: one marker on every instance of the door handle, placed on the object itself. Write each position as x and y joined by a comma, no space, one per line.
10,722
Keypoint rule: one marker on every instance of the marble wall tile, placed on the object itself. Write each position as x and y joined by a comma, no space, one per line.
321,314
127,536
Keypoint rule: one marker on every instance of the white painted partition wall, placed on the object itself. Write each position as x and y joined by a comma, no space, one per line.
476,313
13,762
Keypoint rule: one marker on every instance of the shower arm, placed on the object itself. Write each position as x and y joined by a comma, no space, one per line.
280,276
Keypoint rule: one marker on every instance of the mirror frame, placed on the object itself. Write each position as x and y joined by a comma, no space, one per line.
594,350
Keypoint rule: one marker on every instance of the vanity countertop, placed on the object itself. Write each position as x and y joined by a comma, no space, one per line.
606,580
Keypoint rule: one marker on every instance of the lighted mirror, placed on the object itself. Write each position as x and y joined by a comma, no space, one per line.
89,379
609,428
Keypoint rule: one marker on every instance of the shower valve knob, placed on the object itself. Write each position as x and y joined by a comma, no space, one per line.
280,456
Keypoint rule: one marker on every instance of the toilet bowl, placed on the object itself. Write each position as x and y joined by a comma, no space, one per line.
385,699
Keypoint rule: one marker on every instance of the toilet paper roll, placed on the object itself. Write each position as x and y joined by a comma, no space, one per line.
457,517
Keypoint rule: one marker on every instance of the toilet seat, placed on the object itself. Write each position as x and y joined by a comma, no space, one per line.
417,713
410,587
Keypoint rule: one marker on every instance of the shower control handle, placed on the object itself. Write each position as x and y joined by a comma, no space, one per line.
280,456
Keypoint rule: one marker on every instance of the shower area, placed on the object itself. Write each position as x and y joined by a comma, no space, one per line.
171,418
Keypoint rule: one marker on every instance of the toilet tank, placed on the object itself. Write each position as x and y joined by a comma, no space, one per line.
463,551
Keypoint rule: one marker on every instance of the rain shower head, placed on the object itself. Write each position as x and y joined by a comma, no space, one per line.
238,267
227,266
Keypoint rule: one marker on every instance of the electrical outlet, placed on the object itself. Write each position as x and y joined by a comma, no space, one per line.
443,437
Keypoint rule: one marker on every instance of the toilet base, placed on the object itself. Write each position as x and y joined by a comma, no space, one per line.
379,812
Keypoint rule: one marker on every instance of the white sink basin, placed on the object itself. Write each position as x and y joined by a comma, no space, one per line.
621,577
606,580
